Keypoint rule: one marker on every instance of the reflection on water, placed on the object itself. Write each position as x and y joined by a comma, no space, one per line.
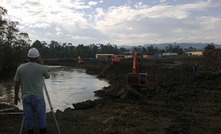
6,92
65,87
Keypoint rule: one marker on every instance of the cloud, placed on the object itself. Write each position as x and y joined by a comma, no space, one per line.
161,23
57,29
139,5
92,3
40,25
99,13
132,23
162,1
116,15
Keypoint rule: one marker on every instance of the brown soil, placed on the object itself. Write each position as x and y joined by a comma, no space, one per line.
175,101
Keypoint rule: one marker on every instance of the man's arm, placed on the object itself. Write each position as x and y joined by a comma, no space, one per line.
45,73
16,98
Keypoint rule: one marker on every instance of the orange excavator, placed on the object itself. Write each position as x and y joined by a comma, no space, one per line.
115,59
80,60
135,78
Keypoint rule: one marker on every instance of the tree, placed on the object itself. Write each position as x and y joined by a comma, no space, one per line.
190,49
54,44
3,23
174,49
38,45
152,49
137,49
210,47
122,50
12,31
13,45
22,41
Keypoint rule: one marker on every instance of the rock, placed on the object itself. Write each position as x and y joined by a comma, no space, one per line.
58,111
110,122
122,93
130,93
68,109
133,93
84,105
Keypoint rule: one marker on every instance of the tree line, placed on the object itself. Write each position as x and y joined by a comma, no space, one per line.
66,50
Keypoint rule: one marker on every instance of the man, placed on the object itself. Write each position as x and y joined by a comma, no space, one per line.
195,68
30,77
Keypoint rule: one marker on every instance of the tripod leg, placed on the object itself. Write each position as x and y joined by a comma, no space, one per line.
22,124
59,132
49,101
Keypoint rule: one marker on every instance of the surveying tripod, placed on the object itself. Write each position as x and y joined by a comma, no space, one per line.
51,108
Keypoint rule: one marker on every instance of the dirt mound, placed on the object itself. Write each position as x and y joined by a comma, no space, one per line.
212,60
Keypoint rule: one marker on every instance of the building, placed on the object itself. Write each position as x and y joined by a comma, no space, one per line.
128,54
198,53
170,54
104,56
149,56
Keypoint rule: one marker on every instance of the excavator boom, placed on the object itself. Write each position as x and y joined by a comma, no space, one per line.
135,66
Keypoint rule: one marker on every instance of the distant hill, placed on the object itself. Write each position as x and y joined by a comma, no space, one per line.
198,46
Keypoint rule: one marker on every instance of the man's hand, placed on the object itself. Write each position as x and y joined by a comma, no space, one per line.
16,99
40,61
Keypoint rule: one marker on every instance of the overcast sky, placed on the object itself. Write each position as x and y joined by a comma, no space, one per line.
119,22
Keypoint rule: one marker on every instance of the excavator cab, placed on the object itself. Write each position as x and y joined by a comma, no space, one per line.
142,79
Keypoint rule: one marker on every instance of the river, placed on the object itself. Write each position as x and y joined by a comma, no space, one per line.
66,86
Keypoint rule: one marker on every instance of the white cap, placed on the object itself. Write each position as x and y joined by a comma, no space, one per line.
33,53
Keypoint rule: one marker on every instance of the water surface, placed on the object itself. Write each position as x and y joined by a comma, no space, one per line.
66,86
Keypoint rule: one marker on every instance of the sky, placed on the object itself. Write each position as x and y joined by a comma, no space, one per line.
118,22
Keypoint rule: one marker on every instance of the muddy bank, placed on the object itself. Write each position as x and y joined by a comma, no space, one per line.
175,101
